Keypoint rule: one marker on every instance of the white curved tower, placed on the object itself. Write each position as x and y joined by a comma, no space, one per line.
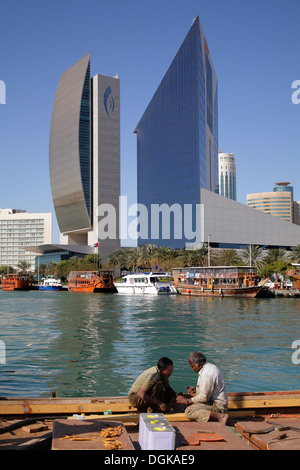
84,155
227,175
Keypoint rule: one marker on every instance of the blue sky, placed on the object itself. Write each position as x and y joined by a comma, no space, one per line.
255,48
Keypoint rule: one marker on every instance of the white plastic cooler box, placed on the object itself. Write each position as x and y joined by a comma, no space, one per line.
155,432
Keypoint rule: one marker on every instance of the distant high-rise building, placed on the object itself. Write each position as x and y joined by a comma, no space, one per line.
227,175
177,136
296,212
278,203
19,230
84,155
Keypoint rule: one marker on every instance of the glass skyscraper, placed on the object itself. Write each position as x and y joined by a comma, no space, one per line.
177,137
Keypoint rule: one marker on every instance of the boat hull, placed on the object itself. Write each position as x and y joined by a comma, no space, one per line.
91,282
17,285
83,289
247,292
58,288
90,289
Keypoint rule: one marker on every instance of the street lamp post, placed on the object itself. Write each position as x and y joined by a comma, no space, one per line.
208,247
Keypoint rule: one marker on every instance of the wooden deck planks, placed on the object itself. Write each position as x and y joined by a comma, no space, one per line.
259,434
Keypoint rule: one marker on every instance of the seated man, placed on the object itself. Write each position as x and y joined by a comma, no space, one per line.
151,391
208,401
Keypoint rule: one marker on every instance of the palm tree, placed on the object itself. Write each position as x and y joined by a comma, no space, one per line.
295,255
165,256
252,255
132,258
23,266
145,254
193,257
274,254
118,258
227,257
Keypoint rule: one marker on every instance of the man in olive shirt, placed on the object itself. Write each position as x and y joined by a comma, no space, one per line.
151,391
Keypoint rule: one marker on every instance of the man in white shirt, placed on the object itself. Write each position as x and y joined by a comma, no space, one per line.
208,401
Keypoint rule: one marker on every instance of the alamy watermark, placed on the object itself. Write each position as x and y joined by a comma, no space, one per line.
296,353
2,92
2,352
296,94
159,221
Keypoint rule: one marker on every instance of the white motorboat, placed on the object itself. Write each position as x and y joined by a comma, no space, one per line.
146,283
50,283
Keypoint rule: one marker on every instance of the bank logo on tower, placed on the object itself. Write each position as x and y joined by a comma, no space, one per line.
109,102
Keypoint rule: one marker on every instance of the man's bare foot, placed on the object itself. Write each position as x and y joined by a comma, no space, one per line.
220,417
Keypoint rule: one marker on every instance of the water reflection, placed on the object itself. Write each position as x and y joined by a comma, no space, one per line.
96,345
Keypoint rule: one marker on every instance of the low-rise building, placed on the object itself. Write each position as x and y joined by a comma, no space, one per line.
18,229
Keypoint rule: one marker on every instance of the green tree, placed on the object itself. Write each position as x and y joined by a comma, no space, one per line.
6,269
278,267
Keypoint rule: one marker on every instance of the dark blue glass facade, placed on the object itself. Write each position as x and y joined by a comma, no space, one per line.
85,142
172,135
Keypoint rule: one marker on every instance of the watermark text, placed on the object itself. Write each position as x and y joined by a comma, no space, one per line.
296,353
296,94
159,221
2,92
2,352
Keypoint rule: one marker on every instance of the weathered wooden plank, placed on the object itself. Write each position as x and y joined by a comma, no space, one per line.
67,406
51,407
172,417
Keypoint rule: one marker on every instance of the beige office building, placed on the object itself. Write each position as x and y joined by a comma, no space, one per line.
278,203
19,229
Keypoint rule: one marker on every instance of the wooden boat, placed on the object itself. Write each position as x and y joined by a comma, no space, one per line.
294,275
64,423
91,281
15,282
218,281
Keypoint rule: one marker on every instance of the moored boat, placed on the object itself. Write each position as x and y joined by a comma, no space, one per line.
15,282
294,274
50,284
218,281
156,283
91,281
